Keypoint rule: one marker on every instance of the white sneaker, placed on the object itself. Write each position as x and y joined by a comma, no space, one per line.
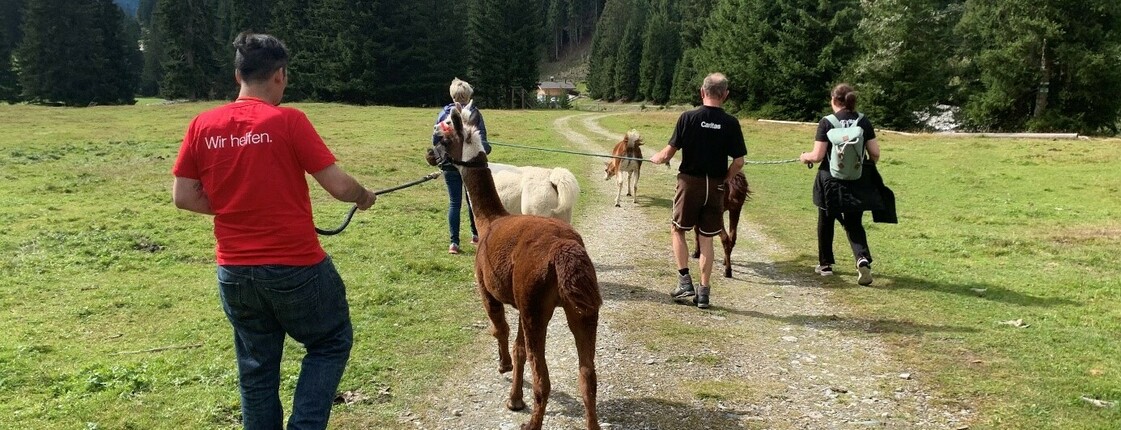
824,270
864,270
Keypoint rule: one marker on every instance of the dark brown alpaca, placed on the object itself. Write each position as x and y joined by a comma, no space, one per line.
534,264
734,199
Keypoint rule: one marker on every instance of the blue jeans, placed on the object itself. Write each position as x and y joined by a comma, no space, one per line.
454,182
263,303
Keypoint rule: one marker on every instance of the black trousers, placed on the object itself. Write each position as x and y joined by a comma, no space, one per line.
854,228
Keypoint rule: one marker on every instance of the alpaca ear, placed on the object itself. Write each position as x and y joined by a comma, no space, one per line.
471,114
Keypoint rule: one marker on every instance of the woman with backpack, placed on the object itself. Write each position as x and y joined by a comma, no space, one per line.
846,181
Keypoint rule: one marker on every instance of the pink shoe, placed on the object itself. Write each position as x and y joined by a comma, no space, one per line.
474,240
453,249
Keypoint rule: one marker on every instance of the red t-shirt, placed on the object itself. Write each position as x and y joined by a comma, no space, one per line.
251,157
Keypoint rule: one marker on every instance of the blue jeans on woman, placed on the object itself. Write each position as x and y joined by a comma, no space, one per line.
454,182
264,303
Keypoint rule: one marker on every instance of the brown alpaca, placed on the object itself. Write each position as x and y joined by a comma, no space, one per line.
628,147
734,199
534,264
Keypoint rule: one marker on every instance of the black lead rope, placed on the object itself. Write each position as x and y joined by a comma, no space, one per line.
354,208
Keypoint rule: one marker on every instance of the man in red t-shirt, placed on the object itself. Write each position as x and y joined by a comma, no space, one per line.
244,163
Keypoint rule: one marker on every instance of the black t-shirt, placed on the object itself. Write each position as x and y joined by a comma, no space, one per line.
707,136
824,126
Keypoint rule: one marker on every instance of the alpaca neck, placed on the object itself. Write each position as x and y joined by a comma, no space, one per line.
485,203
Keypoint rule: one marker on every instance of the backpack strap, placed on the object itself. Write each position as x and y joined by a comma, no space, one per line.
863,148
833,120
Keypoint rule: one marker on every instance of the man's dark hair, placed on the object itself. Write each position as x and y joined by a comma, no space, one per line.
258,56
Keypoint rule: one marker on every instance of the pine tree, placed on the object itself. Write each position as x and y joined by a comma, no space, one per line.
733,44
150,72
605,47
629,55
291,23
900,72
660,52
1042,65
415,64
686,80
9,82
61,29
692,18
121,57
781,57
144,11
11,16
190,47
503,47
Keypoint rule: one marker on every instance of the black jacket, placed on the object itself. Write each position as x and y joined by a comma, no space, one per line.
865,194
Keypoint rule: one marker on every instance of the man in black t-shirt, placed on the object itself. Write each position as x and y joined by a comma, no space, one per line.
706,136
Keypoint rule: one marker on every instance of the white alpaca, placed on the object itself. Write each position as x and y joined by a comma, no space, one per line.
532,190
628,147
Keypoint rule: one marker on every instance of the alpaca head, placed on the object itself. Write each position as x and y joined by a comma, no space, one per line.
460,142
611,168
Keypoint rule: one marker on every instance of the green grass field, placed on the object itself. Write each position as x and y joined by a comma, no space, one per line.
99,262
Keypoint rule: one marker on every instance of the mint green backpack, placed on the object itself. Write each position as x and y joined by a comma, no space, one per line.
847,144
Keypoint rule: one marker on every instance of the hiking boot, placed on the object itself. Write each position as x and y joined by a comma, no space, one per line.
684,287
824,270
701,299
864,270
453,248
474,240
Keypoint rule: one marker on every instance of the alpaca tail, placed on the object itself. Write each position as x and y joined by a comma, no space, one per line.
568,190
576,275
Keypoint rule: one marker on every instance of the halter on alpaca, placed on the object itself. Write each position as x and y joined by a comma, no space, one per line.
534,264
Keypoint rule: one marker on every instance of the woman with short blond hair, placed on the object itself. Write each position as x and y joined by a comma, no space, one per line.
461,93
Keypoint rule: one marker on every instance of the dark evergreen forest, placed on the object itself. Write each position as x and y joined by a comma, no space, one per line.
1011,65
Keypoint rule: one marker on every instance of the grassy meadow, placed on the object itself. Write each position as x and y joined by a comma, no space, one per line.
99,262
99,265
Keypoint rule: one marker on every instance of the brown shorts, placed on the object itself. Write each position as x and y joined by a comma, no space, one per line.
699,203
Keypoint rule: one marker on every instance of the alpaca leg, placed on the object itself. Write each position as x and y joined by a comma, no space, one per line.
515,403
619,193
629,177
728,239
536,325
634,198
696,239
583,328
498,327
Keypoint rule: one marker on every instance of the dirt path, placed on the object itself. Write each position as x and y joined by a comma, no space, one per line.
771,353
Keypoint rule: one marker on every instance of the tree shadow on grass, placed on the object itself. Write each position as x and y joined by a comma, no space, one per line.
654,202
604,268
627,292
889,282
866,325
646,413
634,293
